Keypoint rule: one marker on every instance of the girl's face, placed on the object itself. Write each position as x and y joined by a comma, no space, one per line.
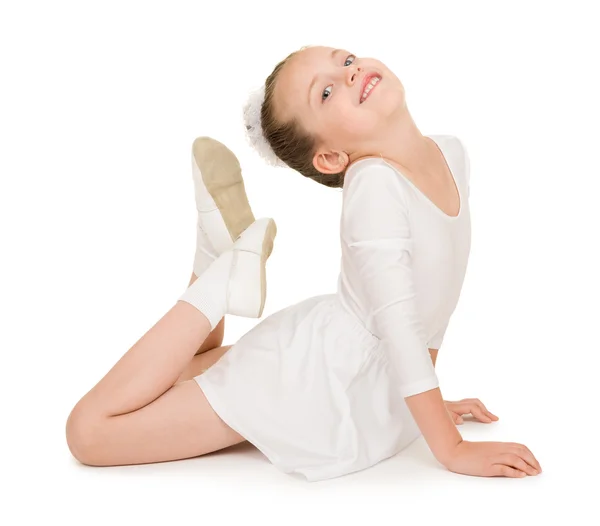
324,89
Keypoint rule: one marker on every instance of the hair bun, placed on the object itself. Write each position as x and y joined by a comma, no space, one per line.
254,133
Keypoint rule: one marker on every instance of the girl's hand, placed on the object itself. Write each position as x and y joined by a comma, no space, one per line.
492,459
466,406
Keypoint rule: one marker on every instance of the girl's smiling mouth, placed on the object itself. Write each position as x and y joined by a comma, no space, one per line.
370,82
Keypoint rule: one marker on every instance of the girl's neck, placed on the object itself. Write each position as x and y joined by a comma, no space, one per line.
403,144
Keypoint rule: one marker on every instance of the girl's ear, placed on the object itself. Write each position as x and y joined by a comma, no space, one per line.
330,162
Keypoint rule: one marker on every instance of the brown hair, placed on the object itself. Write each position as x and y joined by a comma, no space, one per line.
289,140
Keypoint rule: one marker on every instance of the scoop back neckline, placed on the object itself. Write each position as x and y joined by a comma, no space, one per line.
438,141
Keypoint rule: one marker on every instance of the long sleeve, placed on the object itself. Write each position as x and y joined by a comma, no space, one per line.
376,230
467,171
467,166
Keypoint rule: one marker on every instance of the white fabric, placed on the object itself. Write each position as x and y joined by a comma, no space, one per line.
205,253
253,123
209,292
233,283
386,232
319,386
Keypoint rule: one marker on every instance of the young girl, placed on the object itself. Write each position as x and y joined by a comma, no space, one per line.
335,383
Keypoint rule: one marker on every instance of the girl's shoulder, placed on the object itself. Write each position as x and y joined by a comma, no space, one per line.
365,163
372,181
368,166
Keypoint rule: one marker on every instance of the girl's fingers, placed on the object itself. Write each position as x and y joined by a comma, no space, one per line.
485,409
501,470
457,419
527,455
475,407
516,461
480,415
469,408
463,408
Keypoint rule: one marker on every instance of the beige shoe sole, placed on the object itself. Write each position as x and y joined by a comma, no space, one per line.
222,177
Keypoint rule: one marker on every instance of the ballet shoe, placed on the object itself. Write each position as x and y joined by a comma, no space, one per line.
248,281
221,201
235,282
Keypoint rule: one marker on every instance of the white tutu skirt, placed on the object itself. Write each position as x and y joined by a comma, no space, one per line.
312,389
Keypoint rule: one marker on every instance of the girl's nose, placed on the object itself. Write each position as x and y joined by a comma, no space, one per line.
352,74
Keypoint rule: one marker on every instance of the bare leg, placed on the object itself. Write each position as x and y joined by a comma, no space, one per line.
202,362
152,365
135,414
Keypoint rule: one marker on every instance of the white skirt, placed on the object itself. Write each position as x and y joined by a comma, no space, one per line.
312,389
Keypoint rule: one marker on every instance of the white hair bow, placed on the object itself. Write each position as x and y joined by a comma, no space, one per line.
253,125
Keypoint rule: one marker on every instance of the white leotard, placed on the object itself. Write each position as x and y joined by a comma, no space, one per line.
404,260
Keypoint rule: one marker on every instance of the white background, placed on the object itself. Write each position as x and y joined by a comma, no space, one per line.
100,103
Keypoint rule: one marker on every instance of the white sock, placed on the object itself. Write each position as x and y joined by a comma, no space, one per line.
209,292
205,253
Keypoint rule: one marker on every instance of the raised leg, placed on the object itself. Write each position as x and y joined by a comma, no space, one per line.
202,362
141,411
135,414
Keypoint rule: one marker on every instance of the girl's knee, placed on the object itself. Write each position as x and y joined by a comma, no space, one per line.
83,432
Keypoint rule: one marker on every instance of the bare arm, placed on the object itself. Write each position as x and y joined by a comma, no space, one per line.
430,414
433,353
434,421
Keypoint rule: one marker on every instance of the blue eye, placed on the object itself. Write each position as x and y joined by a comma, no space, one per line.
327,90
